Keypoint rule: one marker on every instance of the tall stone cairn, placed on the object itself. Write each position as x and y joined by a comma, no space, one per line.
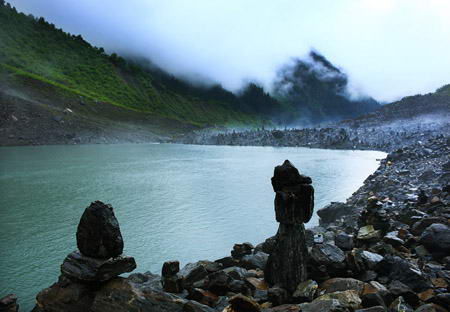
294,205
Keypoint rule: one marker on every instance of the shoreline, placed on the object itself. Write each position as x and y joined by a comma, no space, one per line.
319,235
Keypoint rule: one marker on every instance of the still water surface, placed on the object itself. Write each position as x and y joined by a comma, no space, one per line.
172,201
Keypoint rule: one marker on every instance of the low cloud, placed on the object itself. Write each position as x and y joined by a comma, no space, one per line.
388,48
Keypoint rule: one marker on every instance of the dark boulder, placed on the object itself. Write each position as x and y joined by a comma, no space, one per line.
344,241
255,261
98,233
241,303
402,270
170,268
240,250
9,303
333,212
219,283
87,269
436,238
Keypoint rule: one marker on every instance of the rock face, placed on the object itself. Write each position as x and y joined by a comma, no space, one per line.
294,204
98,233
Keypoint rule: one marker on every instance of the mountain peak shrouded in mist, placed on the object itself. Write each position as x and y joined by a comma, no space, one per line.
318,90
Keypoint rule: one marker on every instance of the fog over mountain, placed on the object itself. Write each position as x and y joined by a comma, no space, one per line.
388,48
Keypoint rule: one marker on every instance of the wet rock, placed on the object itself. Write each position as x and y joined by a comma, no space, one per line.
333,212
120,295
347,298
203,296
240,250
240,303
227,262
287,176
305,291
283,308
399,305
400,269
66,295
397,288
9,303
277,295
368,232
331,305
344,241
237,273
219,283
193,306
342,284
426,308
98,233
422,224
436,238
372,300
393,239
326,260
267,246
170,268
193,272
173,284
255,261
87,269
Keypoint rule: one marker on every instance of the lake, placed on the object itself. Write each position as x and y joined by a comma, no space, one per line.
172,201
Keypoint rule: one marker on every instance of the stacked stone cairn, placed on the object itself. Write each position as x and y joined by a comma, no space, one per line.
100,245
294,204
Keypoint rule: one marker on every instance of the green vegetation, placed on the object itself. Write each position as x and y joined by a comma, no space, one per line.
35,49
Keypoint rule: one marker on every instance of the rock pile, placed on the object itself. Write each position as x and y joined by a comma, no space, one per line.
294,204
98,260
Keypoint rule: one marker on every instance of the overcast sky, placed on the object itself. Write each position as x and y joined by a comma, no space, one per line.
389,48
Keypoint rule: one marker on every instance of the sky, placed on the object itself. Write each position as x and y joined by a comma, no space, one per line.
389,48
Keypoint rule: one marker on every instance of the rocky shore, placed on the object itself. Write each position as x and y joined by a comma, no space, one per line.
387,248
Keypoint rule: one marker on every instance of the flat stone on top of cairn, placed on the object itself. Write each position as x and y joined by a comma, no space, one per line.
98,233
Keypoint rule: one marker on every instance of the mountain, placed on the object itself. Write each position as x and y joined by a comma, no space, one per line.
56,87
422,110
317,91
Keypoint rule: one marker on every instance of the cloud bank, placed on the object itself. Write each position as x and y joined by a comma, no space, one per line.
389,48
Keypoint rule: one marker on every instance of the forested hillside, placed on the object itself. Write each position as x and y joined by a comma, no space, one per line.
33,48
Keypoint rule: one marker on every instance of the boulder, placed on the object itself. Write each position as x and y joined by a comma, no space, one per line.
277,295
287,176
9,303
344,241
372,309
241,303
98,233
194,306
219,283
170,268
255,261
342,284
305,291
266,246
348,298
87,269
330,305
120,295
328,255
436,238
425,222
203,296
240,250
333,212
66,295
193,272
399,305
400,269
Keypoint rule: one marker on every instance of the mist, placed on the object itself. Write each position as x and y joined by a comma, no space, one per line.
388,48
